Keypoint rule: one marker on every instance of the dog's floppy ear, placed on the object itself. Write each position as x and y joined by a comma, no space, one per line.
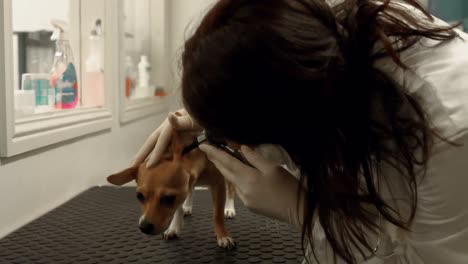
124,176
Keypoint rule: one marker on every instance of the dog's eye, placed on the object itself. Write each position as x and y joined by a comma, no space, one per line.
167,199
140,197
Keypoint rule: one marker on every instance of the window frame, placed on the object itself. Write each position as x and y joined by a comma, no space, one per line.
25,134
132,110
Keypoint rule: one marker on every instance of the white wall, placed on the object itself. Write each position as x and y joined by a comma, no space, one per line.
184,16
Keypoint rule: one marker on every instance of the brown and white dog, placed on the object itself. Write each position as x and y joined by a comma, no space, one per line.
164,191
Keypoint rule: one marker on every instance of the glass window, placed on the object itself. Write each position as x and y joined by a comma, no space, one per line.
137,48
50,72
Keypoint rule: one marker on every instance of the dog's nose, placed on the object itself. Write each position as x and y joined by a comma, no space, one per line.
146,227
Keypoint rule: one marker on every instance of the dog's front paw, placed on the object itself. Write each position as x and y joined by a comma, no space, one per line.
229,213
171,234
187,210
227,243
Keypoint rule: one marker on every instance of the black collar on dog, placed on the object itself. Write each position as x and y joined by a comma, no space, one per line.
196,142
216,141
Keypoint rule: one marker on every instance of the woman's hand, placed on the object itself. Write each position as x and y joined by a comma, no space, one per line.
159,140
266,188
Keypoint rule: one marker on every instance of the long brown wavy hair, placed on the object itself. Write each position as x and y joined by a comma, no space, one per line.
302,74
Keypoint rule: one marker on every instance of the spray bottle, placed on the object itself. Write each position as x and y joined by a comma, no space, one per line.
63,74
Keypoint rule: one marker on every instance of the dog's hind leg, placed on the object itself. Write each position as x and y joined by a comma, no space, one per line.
218,194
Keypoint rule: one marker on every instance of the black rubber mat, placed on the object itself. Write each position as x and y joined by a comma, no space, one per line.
100,226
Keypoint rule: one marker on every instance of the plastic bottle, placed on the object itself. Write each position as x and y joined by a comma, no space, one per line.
143,78
63,74
93,88
130,77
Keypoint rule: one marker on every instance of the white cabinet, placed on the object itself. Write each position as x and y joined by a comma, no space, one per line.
143,35
30,116
26,50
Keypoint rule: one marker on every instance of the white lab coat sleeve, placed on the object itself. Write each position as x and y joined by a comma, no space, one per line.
440,229
439,233
440,80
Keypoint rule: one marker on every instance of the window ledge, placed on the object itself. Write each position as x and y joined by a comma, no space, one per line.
143,107
46,129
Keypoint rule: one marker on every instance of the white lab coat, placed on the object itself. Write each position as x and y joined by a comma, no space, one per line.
439,233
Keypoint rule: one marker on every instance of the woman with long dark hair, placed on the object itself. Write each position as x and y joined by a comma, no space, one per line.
369,98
